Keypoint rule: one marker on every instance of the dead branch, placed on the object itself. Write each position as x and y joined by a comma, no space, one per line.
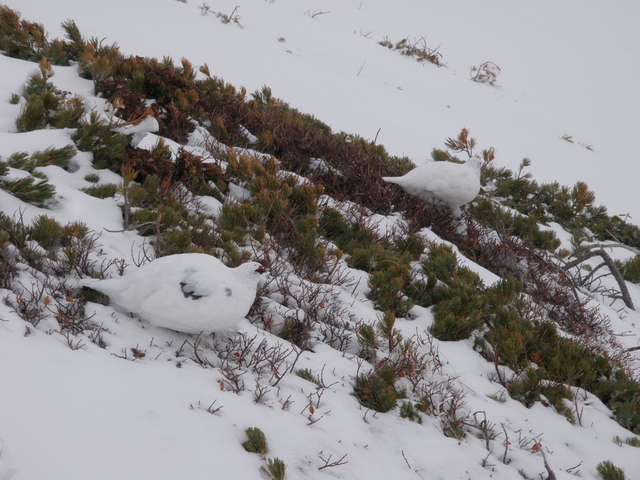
327,461
624,291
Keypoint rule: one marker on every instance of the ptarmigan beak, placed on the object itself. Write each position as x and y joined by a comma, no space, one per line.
261,270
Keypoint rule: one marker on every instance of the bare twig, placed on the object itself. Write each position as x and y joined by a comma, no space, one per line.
329,464
405,459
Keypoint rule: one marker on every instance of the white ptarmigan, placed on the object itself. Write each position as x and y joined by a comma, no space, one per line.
189,292
452,184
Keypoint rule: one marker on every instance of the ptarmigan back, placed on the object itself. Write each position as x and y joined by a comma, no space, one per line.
191,292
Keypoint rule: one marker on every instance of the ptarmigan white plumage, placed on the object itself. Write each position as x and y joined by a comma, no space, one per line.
190,292
448,183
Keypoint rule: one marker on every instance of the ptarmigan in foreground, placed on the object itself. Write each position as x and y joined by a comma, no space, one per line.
452,184
190,292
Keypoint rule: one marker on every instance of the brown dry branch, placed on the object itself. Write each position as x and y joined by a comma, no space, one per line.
315,13
313,421
414,362
485,428
308,305
405,459
260,392
95,335
552,475
240,355
506,445
589,281
286,403
329,464
485,461
70,313
486,72
72,342
547,284
28,302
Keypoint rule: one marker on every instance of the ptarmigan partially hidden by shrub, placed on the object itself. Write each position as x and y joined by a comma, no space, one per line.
448,183
190,292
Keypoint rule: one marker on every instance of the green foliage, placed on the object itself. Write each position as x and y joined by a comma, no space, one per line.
449,327
389,264
608,471
256,441
455,293
630,269
546,364
523,226
50,156
368,342
95,136
387,284
30,190
275,469
27,40
46,231
307,374
20,38
454,430
627,413
376,390
572,207
102,191
407,410
294,331
529,386
348,236
46,106
387,331
633,441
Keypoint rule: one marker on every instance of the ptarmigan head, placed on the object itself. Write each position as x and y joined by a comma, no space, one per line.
251,271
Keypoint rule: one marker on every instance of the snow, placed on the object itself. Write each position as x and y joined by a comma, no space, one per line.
567,68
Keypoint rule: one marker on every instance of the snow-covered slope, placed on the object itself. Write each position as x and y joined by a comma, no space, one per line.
568,68
129,400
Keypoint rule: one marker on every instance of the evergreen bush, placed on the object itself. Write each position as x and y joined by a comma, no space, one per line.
256,441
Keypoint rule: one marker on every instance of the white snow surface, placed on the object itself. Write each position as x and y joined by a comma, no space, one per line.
568,68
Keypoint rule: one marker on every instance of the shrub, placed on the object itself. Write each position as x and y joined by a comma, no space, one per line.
608,471
30,190
50,156
102,191
376,390
46,231
458,300
20,38
630,269
486,72
275,469
417,49
95,136
306,374
46,106
256,441
407,410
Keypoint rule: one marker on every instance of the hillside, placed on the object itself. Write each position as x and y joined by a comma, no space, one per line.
389,339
